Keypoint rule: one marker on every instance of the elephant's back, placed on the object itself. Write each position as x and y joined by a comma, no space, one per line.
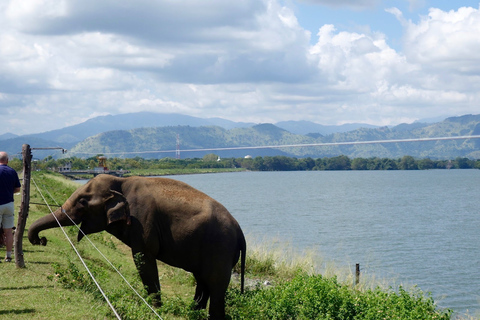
165,185
172,198
180,201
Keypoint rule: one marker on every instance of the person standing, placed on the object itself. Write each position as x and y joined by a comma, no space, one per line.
9,184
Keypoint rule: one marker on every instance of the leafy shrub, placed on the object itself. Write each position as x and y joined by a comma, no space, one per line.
316,297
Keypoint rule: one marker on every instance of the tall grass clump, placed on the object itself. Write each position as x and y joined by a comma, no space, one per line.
271,259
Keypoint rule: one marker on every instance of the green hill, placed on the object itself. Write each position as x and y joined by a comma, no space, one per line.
142,141
164,139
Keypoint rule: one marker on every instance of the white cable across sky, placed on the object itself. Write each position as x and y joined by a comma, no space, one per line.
324,144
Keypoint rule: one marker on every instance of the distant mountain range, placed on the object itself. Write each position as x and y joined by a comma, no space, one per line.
136,134
76,133
7,136
308,127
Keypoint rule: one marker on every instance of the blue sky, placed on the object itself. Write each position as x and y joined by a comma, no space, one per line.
371,16
326,61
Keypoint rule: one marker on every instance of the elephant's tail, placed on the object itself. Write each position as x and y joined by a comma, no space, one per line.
243,249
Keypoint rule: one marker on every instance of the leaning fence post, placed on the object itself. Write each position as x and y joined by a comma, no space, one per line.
24,206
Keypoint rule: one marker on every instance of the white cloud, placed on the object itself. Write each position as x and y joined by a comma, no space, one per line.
21,12
357,62
356,4
415,4
445,46
445,40
399,15
153,21
245,61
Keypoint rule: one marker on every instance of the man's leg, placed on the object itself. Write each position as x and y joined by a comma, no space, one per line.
8,222
8,243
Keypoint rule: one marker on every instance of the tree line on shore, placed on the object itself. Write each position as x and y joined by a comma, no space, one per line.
266,163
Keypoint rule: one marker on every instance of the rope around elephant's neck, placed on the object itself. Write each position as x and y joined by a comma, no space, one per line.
106,259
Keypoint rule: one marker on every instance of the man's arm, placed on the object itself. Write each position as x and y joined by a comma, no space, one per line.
15,190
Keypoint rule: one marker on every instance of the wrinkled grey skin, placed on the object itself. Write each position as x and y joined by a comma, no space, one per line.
160,219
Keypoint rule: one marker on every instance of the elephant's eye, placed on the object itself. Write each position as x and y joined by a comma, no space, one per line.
83,202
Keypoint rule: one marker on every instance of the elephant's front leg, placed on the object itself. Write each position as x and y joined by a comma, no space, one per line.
147,268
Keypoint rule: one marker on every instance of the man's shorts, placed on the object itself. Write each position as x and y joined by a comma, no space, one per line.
7,213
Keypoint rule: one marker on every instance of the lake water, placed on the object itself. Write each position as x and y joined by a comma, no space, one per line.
408,227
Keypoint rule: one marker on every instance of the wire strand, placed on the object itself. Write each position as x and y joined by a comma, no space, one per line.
323,144
104,257
79,256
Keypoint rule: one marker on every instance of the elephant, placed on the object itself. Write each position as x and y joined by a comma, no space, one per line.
164,219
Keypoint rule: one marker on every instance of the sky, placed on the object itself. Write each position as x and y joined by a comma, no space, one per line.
381,62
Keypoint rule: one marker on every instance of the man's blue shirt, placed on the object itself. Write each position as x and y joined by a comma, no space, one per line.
8,182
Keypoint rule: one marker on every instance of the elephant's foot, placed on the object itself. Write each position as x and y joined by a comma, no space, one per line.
200,301
156,299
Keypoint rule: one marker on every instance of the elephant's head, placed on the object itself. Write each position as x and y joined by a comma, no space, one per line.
96,206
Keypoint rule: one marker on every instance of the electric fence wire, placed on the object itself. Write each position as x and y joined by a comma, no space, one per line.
323,144
106,259
96,248
79,256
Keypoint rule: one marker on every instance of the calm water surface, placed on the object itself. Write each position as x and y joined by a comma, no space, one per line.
414,227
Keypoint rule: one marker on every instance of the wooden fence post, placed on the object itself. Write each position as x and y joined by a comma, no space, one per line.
24,206
357,273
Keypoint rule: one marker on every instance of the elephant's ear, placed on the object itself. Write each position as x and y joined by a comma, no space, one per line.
116,208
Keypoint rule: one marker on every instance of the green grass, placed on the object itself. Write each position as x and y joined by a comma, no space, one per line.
55,285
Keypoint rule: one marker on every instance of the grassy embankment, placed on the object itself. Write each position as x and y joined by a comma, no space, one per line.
54,284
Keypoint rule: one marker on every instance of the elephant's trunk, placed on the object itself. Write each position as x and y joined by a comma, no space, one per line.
48,222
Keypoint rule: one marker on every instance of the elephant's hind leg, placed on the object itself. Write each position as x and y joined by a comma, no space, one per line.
201,294
217,295
217,304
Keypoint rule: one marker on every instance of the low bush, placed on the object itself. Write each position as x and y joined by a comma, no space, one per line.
316,297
